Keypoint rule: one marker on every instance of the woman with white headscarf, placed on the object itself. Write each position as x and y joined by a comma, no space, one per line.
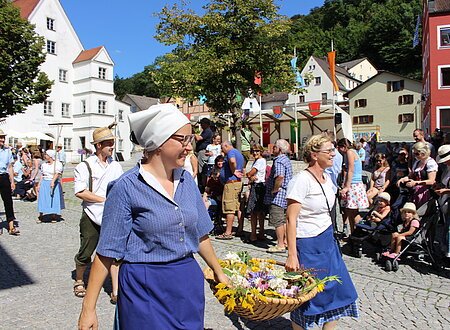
154,221
50,199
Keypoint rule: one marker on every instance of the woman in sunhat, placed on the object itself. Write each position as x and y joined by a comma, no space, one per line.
156,221
50,198
443,189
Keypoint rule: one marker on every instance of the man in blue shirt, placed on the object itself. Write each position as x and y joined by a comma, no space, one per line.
7,184
231,176
275,198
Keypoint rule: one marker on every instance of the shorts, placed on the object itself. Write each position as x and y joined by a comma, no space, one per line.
277,216
356,197
230,197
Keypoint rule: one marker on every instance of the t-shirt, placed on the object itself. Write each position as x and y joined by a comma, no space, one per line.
260,166
207,135
215,149
314,217
18,168
225,173
48,170
362,154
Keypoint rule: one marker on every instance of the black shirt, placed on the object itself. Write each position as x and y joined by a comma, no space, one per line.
207,135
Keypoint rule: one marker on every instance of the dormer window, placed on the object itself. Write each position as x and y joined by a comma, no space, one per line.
50,24
102,73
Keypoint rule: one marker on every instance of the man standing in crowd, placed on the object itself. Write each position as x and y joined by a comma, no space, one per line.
231,176
202,141
419,136
91,181
7,184
275,198
61,155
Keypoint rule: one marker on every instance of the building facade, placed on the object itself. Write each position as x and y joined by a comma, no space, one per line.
82,96
387,105
436,65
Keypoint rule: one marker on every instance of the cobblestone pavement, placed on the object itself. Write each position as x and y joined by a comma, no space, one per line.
36,271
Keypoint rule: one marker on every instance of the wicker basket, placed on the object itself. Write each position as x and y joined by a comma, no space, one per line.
271,309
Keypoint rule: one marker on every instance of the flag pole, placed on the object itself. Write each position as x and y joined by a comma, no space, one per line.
260,122
333,99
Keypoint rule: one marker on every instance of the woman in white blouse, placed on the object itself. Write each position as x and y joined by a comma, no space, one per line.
311,242
50,198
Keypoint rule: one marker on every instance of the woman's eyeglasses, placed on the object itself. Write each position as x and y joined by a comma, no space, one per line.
184,139
328,151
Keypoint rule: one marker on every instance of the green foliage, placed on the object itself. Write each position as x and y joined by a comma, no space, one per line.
217,54
21,54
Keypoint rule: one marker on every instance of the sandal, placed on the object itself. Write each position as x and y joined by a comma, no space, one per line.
78,289
224,237
14,231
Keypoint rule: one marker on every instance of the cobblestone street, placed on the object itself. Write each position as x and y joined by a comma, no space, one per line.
36,271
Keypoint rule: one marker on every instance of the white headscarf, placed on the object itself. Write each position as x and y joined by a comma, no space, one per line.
51,153
152,127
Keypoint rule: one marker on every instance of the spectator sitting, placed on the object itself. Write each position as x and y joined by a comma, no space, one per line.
382,208
380,178
214,187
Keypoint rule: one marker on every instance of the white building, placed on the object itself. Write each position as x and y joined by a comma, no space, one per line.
82,96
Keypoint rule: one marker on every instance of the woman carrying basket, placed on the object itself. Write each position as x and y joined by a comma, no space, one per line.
311,242
155,220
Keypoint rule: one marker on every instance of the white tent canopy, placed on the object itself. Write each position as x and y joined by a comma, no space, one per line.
33,135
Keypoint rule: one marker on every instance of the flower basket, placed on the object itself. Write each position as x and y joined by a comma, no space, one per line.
265,308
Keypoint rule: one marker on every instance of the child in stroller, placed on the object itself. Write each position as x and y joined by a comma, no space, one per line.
375,226
410,225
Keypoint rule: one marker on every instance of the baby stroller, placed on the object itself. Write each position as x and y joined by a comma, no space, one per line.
422,243
215,213
378,234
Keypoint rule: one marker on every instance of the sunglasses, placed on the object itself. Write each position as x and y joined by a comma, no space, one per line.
184,139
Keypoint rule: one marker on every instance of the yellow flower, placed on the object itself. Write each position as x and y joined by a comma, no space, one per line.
320,287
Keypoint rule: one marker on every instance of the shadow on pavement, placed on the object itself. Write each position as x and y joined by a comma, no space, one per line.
11,274
279,322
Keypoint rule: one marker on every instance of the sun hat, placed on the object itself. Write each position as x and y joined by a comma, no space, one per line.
51,153
385,196
102,134
152,127
409,207
443,154
2,133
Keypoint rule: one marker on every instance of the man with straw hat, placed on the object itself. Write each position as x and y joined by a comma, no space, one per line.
7,185
91,181
443,190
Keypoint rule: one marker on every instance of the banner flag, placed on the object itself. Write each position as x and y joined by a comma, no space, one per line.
416,33
332,64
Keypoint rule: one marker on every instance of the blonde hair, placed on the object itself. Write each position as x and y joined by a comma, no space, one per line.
314,144
422,147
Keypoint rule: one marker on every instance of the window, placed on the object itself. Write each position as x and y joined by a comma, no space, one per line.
324,98
444,119
395,86
444,77
51,47
12,141
318,80
405,99
50,24
133,109
65,109
312,67
67,144
191,104
102,73
101,106
444,36
62,75
361,103
301,98
120,144
357,120
405,118
120,115
83,142
83,106
48,108
306,82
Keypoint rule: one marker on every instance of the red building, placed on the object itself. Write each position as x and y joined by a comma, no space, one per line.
436,65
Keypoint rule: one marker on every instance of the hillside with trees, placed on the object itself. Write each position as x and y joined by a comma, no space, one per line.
381,30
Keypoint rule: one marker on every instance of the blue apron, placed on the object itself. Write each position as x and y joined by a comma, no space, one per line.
161,295
322,254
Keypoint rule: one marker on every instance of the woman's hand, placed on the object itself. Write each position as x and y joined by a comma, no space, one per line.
344,191
411,183
292,264
87,320
222,278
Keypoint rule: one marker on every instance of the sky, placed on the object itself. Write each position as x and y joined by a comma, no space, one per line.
126,28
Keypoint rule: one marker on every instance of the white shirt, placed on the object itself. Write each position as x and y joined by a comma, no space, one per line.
260,166
48,170
102,175
216,149
313,218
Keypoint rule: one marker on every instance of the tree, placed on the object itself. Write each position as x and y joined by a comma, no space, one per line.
217,54
21,54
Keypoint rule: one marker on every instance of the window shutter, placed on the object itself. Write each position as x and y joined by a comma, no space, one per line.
400,119
370,119
356,105
355,120
400,100
389,86
402,84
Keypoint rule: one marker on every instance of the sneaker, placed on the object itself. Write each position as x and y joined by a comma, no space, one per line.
276,249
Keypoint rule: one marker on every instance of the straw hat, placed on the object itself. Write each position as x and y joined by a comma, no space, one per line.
102,134
443,154
385,196
2,133
409,207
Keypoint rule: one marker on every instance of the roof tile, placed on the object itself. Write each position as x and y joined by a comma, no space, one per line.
26,7
87,55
